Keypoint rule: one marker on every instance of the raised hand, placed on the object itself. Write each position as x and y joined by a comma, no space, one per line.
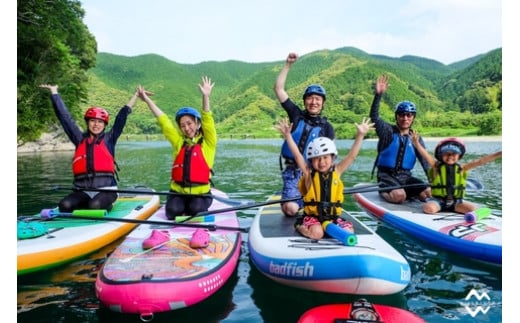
52,88
365,126
382,84
284,127
291,58
206,86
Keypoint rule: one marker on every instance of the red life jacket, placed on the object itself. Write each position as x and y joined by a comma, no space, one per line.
92,158
190,166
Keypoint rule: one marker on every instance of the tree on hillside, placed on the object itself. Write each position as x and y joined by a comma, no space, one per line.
54,46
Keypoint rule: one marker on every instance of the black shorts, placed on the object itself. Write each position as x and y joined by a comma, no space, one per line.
388,180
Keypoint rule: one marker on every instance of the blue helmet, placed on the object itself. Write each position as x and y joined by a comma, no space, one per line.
315,89
405,106
187,111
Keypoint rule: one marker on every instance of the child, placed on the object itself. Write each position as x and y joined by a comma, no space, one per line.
321,186
448,177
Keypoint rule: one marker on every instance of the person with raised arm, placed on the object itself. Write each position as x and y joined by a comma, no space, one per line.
320,185
447,175
307,124
93,164
396,156
193,138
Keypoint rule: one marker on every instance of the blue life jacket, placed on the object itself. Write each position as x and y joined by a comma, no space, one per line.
303,134
399,155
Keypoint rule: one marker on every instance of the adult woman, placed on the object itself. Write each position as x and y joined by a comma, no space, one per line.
93,163
194,143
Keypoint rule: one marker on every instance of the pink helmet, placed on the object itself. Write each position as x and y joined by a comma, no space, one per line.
451,144
96,113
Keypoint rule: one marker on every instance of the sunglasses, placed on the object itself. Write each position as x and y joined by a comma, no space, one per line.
405,114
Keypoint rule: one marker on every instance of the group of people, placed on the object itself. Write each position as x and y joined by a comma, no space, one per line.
193,139
312,188
309,155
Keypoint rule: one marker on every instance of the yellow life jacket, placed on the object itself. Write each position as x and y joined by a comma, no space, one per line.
324,198
447,181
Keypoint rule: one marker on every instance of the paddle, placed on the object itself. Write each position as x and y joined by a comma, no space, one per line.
249,206
376,188
477,215
470,217
152,192
97,215
471,184
362,189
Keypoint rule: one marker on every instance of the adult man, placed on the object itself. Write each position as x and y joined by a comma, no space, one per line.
396,155
307,124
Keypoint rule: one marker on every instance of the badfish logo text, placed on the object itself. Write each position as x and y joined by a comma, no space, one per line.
292,269
476,302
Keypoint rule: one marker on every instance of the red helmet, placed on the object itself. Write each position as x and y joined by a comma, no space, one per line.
96,113
450,144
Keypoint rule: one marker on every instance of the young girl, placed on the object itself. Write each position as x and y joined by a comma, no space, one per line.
321,186
448,177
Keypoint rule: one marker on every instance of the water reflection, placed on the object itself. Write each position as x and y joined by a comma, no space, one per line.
249,169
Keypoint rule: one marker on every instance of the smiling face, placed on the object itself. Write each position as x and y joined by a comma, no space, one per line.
189,126
404,120
323,163
313,104
96,126
450,158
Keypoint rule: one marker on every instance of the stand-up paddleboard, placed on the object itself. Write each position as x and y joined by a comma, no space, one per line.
139,278
360,311
47,240
366,265
477,236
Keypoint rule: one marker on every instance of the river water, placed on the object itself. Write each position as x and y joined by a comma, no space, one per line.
249,169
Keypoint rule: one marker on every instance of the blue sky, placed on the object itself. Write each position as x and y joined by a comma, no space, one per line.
263,31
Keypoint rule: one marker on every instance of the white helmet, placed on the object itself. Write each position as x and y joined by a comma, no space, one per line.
321,146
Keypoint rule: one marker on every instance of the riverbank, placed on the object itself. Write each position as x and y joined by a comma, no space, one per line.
53,142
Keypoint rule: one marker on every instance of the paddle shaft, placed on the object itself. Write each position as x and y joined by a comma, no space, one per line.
363,189
211,227
249,206
151,192
376,188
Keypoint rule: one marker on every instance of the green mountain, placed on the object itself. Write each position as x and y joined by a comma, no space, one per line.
462,98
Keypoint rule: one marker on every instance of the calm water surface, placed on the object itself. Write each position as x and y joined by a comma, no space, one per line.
249,169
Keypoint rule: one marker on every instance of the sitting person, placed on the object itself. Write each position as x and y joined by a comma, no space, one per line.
320,185
448,177
194,142
93,163
396,157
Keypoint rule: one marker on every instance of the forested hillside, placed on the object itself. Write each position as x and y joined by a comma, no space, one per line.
54,46
460,99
